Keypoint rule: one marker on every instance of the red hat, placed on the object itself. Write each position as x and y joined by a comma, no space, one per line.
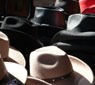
87,6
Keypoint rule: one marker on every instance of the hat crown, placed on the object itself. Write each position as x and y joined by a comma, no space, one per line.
81,22
53,16
4,45
3,71
49,62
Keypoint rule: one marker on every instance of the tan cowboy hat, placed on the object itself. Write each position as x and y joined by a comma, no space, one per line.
56,67
12,73
8,53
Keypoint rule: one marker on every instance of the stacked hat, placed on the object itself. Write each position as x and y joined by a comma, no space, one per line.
54,66
87,6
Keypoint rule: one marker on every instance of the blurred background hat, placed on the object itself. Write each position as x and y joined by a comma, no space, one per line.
12,73
53,16
69,6
87,6
56,67
9,53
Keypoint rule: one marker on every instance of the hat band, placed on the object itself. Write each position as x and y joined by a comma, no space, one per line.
50,80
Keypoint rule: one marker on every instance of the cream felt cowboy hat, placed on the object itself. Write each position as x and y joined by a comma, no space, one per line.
12,73
56,67
8,53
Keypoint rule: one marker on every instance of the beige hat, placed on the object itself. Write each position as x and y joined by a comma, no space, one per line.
12,73
56,67
8,53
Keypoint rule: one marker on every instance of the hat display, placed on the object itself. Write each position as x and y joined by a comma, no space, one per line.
35,81
87,6
12,73
9,53
53,65
53,16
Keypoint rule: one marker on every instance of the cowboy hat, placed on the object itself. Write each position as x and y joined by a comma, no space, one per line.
19,24
24,25
79,38
87,6
9,53
79,27
12,73
56,67
53,16
35,81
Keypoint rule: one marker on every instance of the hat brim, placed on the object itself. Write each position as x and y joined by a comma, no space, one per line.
17,71
82,68
16,56
67,35
35,81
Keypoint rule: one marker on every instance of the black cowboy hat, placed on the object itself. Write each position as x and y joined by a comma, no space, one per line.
79,37
53,16
19,24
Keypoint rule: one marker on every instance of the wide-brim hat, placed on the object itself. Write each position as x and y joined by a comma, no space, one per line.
49,16
31,28
12,73
87,6
80,29
78,36
56,67
9,53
